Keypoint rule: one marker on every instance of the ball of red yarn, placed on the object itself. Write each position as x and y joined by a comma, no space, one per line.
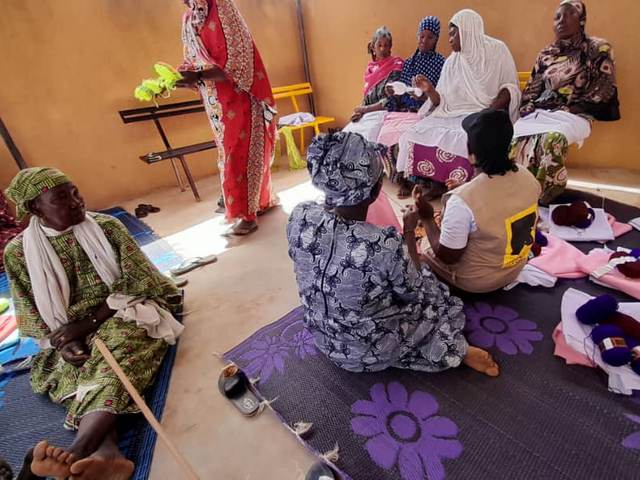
629,325
560,216
578,214
536,249
629,270
634,345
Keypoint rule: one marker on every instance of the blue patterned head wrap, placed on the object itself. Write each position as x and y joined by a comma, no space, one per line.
345,167
432,24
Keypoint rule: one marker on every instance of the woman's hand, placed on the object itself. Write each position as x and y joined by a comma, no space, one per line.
189,80
437,217
453,184
390,92
356,117
423,83
75,353
423,207
410,219
76,331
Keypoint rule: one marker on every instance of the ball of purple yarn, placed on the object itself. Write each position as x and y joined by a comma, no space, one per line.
635,253
541,239
615,356
597,310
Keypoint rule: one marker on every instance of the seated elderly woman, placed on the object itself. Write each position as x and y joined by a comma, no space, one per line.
383,69
368,301
479,74
572,84
74,277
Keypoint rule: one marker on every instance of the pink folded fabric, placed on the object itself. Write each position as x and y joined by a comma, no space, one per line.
395,124
559,259
618,228
614,279
381,213
563,350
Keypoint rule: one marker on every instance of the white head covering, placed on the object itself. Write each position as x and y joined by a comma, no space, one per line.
472,78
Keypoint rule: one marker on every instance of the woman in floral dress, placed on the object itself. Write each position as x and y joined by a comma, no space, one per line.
223,63
76,277
573,83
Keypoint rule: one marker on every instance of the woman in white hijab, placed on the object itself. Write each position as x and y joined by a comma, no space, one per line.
479,74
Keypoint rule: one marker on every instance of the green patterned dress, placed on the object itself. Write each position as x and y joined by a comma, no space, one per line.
138,355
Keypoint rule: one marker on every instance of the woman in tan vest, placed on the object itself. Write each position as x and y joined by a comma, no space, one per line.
488,224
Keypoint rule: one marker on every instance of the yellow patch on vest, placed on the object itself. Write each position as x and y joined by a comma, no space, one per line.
520,236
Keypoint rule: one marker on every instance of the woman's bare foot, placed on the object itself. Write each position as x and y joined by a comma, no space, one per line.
5,470
243,228
97,467
51,461
481,361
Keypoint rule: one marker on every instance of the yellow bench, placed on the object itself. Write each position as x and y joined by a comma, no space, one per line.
297,90
524,79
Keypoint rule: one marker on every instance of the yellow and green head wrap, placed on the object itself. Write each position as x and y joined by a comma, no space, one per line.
30,183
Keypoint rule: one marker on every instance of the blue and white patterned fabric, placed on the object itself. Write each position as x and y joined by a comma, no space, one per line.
365,303
345,167
428,64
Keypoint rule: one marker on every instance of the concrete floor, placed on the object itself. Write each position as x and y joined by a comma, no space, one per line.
250,286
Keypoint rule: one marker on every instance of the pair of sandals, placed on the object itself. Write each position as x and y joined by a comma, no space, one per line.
144,209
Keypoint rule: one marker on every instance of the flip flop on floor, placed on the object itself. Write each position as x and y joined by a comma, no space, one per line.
320,471
234,384
179,281
266,210
141,212
150,208
192,263
239,232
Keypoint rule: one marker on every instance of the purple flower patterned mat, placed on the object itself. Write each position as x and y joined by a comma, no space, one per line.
541,419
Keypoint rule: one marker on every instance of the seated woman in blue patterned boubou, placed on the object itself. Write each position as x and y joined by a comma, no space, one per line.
369,302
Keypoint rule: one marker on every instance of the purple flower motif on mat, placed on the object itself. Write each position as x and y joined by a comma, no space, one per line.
265,356
303,344
500,326
405,431
633,440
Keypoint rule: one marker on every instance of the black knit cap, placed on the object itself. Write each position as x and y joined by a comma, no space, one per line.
489,134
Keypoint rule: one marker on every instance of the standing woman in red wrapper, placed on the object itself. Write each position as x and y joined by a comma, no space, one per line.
222,62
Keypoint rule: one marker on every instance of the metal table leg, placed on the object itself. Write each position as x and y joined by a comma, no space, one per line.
192,183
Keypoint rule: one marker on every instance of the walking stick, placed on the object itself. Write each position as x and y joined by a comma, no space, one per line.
145,410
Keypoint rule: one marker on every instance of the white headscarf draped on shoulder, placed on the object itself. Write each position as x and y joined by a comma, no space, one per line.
472,78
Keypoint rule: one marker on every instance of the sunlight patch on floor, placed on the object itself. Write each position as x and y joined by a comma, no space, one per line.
300,193
202,239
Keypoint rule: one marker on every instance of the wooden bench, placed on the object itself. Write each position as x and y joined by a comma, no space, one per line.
297,90
164,111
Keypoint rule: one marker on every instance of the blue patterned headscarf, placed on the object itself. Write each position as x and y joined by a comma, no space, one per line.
432,24
345,167
428,64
